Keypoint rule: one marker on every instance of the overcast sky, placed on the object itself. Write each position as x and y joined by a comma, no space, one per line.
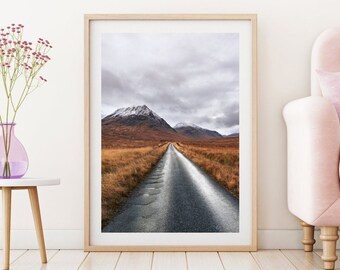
191,78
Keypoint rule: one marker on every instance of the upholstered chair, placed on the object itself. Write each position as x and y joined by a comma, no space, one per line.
313,145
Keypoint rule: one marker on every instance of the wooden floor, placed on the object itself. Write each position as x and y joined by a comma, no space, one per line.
77,259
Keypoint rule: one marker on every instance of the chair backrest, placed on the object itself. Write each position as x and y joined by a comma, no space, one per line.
325,56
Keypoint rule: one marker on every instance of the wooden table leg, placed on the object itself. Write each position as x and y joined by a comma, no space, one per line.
33,193
6,224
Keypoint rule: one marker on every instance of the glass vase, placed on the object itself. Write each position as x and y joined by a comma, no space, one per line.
13,156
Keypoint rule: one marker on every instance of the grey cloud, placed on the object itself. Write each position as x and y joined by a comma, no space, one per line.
230,116
182,77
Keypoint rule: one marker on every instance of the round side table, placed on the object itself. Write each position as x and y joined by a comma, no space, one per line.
31,184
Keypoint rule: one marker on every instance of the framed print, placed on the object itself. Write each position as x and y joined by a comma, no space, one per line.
170,132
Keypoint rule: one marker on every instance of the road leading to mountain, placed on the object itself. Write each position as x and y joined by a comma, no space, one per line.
177,196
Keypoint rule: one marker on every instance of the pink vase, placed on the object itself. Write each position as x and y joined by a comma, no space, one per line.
13,156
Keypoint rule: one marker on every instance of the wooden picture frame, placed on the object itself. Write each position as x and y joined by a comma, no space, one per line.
250,20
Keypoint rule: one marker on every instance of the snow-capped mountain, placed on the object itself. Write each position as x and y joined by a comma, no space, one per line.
233,135
137,123
135,110
182,124
137,115
195,131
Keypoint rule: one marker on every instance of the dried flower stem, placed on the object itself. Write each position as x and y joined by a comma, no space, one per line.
17,58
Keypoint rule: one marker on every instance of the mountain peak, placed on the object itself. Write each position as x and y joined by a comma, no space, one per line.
137,116
142,110
183,124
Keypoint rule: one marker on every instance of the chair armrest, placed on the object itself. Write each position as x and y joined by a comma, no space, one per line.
313,145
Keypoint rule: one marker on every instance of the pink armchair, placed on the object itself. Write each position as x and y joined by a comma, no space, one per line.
313,135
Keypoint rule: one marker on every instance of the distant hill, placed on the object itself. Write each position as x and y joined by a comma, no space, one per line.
196,132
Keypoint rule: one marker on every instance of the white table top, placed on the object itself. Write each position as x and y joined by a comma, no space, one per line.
29,182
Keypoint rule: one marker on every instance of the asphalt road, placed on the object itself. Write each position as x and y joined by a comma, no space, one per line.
177,196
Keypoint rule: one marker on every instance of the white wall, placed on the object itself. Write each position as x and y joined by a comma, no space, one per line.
51,123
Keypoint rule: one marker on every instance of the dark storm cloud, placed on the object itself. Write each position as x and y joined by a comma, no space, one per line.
190,78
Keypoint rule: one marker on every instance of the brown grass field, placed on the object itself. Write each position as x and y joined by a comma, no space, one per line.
122,170
218,157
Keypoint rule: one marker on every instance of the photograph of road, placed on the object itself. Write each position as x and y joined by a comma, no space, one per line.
170,132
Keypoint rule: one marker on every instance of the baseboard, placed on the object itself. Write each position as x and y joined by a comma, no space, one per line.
54,239
73,239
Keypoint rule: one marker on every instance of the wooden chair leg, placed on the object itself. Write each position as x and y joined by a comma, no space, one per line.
6,224
308,236
329,236
33,193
